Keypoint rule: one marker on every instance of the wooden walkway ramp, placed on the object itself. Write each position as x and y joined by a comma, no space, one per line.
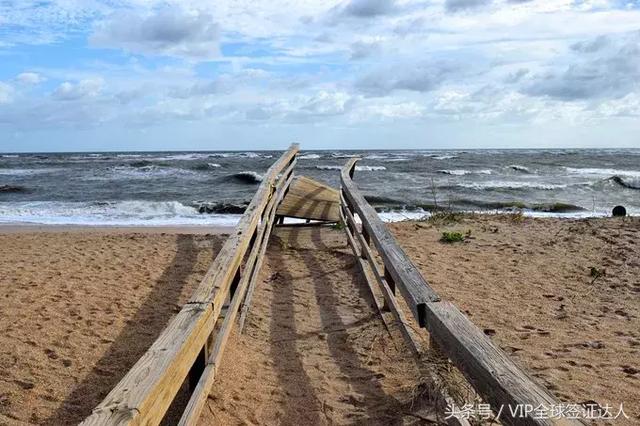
320,330
312,200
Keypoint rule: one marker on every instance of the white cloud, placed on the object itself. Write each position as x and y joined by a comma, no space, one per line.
6,93
169,31
88,88
30,78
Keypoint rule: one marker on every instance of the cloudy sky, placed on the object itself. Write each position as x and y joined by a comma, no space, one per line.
250,74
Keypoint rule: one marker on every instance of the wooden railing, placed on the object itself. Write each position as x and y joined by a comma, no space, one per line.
490,371
193,342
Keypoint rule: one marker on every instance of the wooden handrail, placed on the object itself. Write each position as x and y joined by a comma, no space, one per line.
148,389
488,368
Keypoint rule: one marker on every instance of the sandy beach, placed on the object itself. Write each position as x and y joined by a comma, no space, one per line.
81,305
528,284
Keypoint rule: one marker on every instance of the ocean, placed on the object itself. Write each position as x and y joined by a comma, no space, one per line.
199,188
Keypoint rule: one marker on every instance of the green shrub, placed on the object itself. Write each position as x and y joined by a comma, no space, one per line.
451,237
338,226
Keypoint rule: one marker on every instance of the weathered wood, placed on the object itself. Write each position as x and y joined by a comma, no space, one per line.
147,390
254,278
413,286
493,374
487,367
253,264
172,354
310,199
389,298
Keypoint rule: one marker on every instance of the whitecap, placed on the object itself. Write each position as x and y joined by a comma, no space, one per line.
358,168
510,185
602,172
462,172
110,213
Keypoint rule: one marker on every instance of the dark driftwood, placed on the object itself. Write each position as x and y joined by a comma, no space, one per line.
492,373
145,393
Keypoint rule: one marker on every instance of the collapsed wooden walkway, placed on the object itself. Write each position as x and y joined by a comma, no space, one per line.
193,343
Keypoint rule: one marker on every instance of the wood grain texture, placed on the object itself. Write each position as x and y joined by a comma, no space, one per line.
488,368
252,269
310,199
390,300
145,393
492,373
415,289
254,277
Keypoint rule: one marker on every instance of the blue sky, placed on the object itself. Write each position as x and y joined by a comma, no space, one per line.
87,75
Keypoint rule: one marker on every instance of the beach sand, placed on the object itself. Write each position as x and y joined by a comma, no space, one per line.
314,350
528,284
79,307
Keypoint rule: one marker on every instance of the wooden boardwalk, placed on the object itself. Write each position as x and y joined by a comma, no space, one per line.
310,199
193,344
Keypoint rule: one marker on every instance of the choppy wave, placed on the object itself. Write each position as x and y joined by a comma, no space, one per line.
205,166
603,172
12,189
625,183
441,157
140,172
28,172
358,168
220,207
121,213
462,172
490,185
247,177
309,157
519,168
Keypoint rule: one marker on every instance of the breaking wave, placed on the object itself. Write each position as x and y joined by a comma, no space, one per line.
518,168
625,183
462,172
603,172
247,177
491,185
309,157
116,213
358,168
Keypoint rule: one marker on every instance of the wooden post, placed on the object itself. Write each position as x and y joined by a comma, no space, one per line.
389,279
363,251
197,368
234,284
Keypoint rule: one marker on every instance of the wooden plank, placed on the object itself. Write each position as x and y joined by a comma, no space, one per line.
309,199
254,278
384,288
253,265
147,390
364,254
487,367
181,340
415,289
493,374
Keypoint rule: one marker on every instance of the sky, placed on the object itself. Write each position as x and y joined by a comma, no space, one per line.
113,75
